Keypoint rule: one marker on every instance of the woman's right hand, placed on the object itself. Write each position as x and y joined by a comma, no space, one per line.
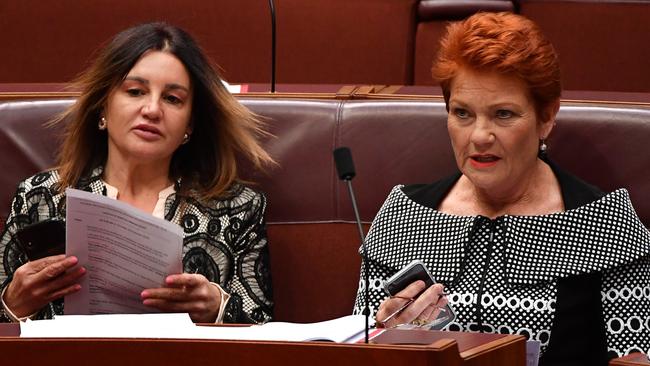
425,308
37,283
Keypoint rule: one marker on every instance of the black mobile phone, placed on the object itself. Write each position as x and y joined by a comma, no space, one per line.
42,239
416,270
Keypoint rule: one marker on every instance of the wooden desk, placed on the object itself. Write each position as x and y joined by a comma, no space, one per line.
634,359
447,348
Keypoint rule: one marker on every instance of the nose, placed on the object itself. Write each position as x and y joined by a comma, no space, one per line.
151,108
482,132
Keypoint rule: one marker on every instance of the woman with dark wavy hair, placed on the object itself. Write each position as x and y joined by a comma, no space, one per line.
153,127
519,245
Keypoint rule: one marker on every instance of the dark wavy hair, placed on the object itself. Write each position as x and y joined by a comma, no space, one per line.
221,127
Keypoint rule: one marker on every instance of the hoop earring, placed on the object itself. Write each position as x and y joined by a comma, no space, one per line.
186,138
102,124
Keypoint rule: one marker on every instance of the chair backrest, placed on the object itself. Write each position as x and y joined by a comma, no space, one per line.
313,243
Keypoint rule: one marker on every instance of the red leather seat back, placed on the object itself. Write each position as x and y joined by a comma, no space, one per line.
313,241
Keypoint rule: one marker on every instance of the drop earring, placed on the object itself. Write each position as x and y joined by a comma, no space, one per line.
186,138
102,124
542,146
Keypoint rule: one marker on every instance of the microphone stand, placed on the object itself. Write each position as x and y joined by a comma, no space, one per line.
272,8
345,170
366,278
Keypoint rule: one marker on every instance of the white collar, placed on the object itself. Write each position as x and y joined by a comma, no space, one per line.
158,210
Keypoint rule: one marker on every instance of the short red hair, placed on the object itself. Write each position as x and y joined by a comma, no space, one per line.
502,42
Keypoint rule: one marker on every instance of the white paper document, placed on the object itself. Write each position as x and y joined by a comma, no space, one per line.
124,251
341,330
347,329
110,326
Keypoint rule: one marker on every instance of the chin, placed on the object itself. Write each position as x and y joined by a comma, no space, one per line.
145,155
486,180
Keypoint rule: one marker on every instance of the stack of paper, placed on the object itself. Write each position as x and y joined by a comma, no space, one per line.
348,329
110,326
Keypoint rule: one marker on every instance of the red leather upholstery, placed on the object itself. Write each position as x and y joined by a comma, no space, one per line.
313,243
606,145
26,146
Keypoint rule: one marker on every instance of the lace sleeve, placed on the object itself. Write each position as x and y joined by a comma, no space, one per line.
33,202
10,255
250,287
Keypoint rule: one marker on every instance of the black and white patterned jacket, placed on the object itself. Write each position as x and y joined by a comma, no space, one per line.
225,241
578,281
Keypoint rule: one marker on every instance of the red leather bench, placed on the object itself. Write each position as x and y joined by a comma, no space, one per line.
313,241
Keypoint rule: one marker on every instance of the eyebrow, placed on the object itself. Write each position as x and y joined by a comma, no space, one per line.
459,102
167,86
492,105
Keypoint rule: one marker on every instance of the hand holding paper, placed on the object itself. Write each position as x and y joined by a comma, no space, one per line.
186,293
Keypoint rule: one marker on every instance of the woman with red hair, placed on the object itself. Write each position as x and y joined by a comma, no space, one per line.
517,245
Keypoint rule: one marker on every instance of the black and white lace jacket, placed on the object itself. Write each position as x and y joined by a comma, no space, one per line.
578,281
225,240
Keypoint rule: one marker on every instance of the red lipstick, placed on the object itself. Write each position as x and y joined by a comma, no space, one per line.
483,161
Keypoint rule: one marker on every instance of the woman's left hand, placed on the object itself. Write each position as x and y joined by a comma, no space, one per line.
186,293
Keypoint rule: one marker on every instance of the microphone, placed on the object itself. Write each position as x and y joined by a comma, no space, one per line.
272,8
344,164
345,169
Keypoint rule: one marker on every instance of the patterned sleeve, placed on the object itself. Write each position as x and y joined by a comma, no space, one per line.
626,307
250,287
378,271
8,246
35,201
11,255
376,276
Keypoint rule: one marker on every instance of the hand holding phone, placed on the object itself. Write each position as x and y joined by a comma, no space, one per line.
47,275
417,271
42,239
414,271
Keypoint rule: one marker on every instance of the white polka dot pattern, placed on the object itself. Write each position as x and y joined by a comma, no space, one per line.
502,274
626,307
600,235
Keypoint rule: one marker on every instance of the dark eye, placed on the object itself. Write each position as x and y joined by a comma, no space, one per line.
172,99
134,92
504,114
461,113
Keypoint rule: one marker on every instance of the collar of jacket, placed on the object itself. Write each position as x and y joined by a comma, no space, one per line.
603,234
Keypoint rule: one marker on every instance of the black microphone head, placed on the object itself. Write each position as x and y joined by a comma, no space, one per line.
344,164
